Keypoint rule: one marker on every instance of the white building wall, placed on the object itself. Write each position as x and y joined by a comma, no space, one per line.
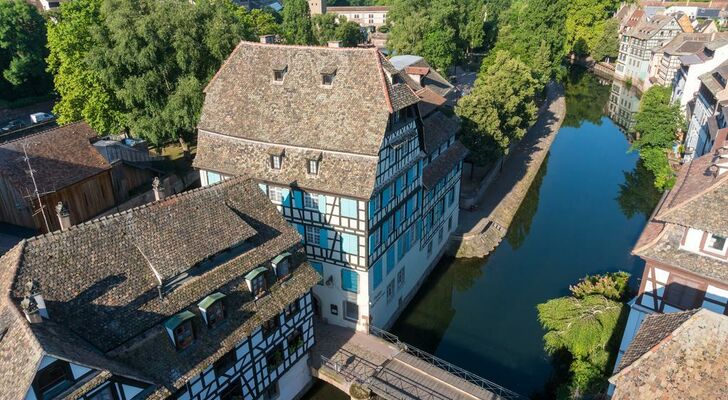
293,382
691,85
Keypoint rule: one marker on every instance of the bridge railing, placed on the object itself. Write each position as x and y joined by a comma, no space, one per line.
444,365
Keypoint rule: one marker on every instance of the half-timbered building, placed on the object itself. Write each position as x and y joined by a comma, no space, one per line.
336,139
684,245
202,295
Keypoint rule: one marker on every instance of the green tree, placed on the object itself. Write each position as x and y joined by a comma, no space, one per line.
297,27
261,22
585,24
656,125
607,44
22,49
584,325
83,95
500,108
324,27
348,33
638,194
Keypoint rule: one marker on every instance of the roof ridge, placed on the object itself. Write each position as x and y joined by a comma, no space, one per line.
116,215
383,79
43,132
682,204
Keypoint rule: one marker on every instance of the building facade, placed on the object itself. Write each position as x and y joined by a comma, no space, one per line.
336,140
624,103
705,112
696,58
371,17
202,295
684,246
637,44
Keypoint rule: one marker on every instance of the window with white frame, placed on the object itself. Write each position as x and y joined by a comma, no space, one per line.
311,201
351,311
716,244
400,278
313,167
275,162
275,194
313,234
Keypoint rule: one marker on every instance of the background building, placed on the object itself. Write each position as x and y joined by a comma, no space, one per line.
336,140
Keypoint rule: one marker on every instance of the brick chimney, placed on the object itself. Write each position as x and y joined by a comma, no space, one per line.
158,189
64,216
334,43
267,39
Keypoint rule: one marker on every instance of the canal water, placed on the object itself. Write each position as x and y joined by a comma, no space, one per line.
582,216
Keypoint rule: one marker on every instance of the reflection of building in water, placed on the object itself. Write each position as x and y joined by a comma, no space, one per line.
624,102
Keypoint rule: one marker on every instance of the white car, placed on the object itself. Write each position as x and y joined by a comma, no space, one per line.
41,117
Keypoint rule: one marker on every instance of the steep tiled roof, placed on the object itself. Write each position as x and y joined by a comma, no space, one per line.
443,164
437,130
102,294
60,157
677,356
351,115
347,174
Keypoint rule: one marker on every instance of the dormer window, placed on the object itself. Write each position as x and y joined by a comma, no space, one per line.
275,161
313,167
52,380
279,74
327,79
180,330
212,309
282,265
716,244
257,283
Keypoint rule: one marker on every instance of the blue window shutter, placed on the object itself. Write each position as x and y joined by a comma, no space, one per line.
319,268
385,230
397,220
406,241
263,187
418,234
298,199
372,242
349,208
398,186
349,280
372,208
322,204
324,238
286,194
391,262
301,229
409,207
349,243
377,274
386,192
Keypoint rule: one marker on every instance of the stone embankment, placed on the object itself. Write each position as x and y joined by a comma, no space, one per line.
482,227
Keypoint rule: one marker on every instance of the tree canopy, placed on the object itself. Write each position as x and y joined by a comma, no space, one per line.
297,27
657,125
22,50
141,65
586,24
500,108
328,27
584,325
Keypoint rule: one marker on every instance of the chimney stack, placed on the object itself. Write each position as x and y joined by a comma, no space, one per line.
33,305
158,189
267,39
335,43
64,216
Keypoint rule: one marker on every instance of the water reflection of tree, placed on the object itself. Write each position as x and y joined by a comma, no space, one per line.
638,195
586,98
425,321
521,224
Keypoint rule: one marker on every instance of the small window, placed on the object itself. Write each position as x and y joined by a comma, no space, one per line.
313,235
275,194
184,335
351,311
295,340
225,363
105,393
716,244
275,162
234,391
291,310
400,278
311,201
327,79
257,282
313,167
274,358
282,265
390,292
270,326
272,392
52,380
212,309
280,74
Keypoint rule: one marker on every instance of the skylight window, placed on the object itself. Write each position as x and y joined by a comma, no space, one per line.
327,79
280,74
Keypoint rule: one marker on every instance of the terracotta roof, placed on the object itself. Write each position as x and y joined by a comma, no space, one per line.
60,157
351,175
438,169
677,356
101,290
417,70
438,128
351,115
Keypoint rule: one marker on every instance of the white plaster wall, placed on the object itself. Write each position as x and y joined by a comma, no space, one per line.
692,240
295,380
692,83
335,295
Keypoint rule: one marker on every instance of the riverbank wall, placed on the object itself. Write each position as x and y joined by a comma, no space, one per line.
482,226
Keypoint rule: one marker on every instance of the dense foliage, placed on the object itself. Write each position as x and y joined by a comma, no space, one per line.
499,109
586,24
657,125
328,27
141,65
297,26
607,44
586,325
22,51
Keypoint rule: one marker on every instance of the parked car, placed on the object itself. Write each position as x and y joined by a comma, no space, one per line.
13,125
41,117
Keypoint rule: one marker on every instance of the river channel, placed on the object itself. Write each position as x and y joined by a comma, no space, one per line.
582,216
